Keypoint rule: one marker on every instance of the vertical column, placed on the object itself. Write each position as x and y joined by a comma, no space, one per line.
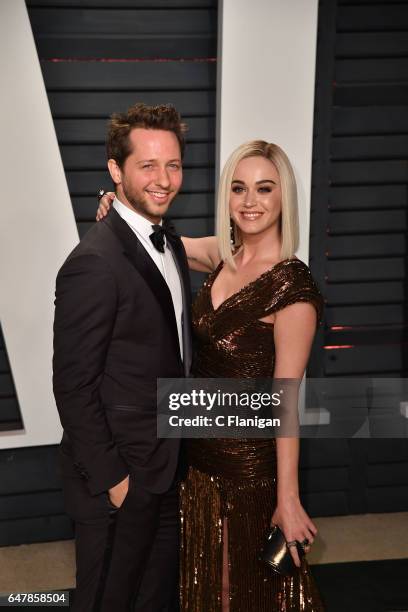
266,81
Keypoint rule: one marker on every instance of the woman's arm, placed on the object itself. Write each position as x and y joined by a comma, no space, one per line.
294,330
202,253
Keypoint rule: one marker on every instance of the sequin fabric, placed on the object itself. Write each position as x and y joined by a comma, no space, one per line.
233,482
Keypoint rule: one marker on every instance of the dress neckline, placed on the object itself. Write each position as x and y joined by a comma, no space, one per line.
244,288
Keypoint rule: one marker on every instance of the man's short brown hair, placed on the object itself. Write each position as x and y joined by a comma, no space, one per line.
161,117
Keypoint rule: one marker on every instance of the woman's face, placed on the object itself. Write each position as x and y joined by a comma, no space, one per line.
255,199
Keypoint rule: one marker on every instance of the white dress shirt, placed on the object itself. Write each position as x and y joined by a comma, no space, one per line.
142,227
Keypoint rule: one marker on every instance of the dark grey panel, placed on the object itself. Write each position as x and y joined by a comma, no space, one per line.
9,412
93,104
371,44
6,385
93,157
365,94
88,183
29,470
107,22
119,4
360,270
379,451
385,16
44,503
368,314
3,361
326,504
372,2
370,172
360,196
10,417
373,120
359,360
133,75
367,335
324,479
371,70
370,147
388,474
193,205
364,293
37,529
93,131
387,499
195,228
374,222
67,32
368,197
149,46
366,246
324,453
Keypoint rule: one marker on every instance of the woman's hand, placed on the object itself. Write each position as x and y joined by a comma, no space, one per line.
295,524
104,205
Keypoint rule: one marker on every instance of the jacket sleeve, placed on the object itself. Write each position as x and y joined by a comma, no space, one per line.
85,311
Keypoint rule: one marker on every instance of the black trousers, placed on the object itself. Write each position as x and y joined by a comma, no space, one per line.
127,559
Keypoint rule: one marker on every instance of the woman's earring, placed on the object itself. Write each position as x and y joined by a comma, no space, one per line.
232,232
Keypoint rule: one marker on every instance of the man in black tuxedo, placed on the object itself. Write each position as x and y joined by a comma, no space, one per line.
122,320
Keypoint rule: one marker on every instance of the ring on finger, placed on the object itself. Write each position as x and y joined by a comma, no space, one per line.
291,543
101,193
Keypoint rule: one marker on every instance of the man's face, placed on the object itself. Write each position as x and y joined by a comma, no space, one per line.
151,175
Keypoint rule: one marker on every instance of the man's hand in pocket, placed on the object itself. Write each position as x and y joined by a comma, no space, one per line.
118,493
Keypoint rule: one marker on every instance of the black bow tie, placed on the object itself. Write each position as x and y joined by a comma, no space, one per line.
159,232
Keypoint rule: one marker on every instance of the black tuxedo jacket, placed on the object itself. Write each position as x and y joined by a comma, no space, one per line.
115,333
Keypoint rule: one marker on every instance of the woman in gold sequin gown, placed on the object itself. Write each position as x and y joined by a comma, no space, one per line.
254,317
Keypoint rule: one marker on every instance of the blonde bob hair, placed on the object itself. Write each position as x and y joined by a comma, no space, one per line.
289,215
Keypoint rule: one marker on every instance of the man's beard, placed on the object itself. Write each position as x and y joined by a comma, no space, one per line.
140,204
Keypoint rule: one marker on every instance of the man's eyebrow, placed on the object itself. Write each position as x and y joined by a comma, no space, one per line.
141,161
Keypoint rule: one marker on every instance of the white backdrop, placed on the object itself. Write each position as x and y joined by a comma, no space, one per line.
37,228
266,81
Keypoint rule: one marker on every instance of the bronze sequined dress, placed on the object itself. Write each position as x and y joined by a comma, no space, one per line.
236,479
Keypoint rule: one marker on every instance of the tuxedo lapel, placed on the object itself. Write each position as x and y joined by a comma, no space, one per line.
144,264
177,249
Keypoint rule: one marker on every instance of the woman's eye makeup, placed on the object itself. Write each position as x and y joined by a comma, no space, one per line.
240,189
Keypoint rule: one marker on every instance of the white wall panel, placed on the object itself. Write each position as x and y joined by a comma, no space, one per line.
266,80
37,228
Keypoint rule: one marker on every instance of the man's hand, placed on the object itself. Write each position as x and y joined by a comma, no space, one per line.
117,494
